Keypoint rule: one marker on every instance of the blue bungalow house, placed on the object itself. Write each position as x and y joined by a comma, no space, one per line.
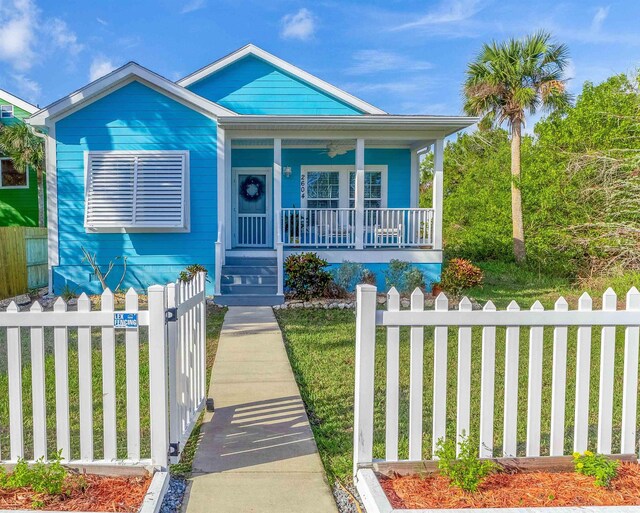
234,167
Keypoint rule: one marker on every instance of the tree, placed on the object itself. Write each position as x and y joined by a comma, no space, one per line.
27,151
504,81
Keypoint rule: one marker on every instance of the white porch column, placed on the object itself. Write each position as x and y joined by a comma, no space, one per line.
221,196
438,167
359,199
414,197
277,187
228,223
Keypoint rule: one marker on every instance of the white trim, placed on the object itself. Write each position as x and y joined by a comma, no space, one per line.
414,193
285,66
118,78
227,174
344,170
52,201
438,195
277,184
268,172
18,102
186,196
221,195
373,256
13,187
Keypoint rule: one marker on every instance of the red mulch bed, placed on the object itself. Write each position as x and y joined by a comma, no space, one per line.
86,493
518,490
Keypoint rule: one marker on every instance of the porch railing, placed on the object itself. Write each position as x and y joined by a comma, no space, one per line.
336,227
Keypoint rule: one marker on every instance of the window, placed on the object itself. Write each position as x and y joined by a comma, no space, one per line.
323,189
145,191
6,111
10,177
372,189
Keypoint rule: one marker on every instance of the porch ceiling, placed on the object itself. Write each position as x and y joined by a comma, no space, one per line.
324,143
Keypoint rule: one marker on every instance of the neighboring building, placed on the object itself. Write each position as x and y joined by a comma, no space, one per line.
234,167
18,190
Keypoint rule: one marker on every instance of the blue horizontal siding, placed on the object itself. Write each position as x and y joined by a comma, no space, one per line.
135,117
253,86
431,273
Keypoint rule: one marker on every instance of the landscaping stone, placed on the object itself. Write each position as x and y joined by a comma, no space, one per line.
175,494
345,500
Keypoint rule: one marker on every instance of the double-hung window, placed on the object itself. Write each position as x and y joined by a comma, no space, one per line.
6,111
137,190
323,189
372,189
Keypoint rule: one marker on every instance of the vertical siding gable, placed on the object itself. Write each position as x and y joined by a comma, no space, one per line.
136,117
253,86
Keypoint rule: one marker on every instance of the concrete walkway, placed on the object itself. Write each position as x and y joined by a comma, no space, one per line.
257,452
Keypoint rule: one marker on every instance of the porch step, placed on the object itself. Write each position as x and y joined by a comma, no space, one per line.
253,261
248,290
249,300
234,270
249,279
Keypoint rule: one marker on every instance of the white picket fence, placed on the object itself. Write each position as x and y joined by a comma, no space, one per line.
173,328
464,320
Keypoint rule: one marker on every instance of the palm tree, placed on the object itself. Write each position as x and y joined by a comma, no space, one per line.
504,81
27,151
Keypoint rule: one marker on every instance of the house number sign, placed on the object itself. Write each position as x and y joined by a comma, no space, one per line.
303,186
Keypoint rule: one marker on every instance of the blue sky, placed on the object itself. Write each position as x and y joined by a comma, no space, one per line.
403,56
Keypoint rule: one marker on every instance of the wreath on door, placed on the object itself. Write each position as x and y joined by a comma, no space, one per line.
251,188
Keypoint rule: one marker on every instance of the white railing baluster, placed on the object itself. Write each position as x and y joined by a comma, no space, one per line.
534,393
38,389
487,390
85,379
607,360
416,382
61,362
14,369
512,350
109,381
463,405
393,380
440,335
630,378
558,384
583,378
132,364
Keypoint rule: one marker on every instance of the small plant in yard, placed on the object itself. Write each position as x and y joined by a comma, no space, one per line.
102,276
191,271
348,274
306,275
68,292
395,274
465,470
368,277
460,274
596,465
414,279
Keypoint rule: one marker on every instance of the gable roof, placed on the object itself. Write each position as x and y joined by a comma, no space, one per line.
18,102
251,49
117,78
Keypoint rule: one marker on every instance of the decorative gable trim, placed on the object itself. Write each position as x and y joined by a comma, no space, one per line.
250,49
118,78
18,102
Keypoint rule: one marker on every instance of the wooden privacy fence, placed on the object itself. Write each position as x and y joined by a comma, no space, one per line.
150,364
583,322
23,259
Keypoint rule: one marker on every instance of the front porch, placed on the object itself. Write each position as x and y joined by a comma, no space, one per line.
346,194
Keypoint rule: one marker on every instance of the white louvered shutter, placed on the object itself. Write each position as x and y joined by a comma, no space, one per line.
136,190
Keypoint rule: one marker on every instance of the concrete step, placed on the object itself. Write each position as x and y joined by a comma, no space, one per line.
251,261
249,300
249,269
248,279
266,290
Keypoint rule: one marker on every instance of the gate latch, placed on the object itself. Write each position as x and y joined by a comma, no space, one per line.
171,315
174,449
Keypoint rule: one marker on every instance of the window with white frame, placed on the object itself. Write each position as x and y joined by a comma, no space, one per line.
143,191
12,178
334,186
6,111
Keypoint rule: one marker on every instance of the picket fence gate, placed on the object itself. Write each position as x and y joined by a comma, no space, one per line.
175,327
441,319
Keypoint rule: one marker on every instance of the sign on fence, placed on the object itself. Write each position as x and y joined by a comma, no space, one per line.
125,320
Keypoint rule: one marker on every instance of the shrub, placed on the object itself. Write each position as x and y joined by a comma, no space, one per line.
596,465
465,471
414,279
460,274
395,274
348,275
368,277
335,291
191,271
44,478
306,275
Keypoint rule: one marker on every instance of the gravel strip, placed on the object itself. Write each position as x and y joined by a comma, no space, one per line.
345,501
173,498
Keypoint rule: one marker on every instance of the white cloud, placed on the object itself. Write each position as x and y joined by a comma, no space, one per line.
100,66
193,5
301,25
374,61
18,20
447,13
101,21
62,37
27,88
598,18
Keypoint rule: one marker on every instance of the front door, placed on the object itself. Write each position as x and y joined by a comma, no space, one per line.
252,226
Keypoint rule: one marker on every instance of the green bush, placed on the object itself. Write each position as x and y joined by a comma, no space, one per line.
596,465
348,274
414,279
465,470
306,276
368,277
395,275
460,274
191,271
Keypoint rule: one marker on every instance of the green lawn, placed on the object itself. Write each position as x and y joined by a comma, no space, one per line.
214,323
320,344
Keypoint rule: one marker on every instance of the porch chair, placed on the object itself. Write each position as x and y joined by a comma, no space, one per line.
386,231
331,228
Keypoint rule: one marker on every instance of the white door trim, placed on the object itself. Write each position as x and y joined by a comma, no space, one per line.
268,172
